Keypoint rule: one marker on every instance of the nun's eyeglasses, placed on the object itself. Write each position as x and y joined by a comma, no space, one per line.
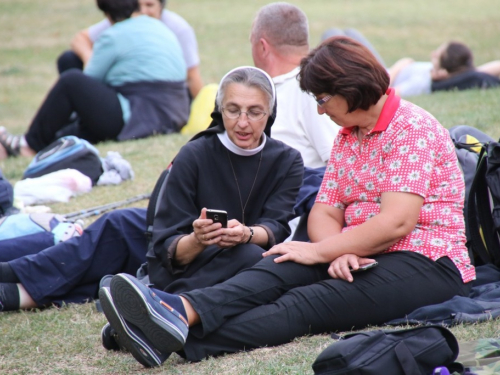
252,115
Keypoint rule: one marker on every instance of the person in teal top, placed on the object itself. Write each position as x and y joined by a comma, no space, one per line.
133,86
82,43
130,52
123,53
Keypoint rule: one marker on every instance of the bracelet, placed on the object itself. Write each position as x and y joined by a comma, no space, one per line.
251,235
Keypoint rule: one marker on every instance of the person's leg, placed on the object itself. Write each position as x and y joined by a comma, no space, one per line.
356,35
401,283
214,265
68,60
71,270
18,247
334,31
212,306
255,286
95,103
162,316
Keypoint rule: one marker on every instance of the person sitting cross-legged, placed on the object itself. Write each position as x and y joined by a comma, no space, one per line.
133,86
233,166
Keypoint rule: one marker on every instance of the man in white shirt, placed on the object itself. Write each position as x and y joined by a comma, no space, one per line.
279,40
82,43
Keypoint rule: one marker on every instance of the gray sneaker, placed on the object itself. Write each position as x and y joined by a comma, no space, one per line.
129,336
164,326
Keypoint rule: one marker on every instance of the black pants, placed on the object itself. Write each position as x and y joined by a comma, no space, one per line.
96,104
271,304
68,60
214,265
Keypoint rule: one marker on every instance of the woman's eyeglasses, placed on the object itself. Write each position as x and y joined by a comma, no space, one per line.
323,100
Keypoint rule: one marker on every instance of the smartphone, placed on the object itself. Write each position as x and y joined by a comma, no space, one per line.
364,267
218,216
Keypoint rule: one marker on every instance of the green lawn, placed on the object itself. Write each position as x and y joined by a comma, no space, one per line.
34,32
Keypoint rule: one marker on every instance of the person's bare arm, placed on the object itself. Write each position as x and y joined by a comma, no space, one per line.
82,45
324,221
396,68
194,81
398,216
492,67
439,74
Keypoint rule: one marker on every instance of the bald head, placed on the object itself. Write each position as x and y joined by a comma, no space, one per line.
283,25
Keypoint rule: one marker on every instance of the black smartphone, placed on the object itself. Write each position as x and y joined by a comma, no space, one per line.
218,216
364,267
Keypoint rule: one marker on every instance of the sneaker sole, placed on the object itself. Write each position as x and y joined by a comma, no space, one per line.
109,342
140,351
133,306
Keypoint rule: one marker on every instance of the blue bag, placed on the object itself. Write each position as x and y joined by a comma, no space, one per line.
67,152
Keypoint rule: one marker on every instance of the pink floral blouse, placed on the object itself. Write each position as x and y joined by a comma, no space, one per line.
407,151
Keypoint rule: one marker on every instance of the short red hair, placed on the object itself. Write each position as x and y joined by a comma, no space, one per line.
342,66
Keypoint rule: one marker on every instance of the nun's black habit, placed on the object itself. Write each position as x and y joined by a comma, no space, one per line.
202,176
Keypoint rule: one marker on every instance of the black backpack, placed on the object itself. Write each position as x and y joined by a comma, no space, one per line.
414,351
479,156
483,207
471,79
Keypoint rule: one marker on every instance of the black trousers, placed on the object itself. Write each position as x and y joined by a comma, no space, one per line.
214,265
271,304
96,104
68,60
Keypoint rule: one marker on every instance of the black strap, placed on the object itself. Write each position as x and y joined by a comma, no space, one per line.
467,146
492,180
406,360
153,202
479,209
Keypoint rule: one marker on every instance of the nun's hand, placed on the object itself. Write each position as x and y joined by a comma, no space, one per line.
205,231
233,235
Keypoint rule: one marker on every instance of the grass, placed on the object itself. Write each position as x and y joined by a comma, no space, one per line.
34,32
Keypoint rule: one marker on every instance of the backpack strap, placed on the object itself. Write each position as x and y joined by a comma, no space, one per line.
406,359
479,212
143,273
153,202
492,180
